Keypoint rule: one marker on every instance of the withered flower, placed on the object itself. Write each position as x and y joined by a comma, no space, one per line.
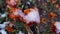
43,20
51,15
9,29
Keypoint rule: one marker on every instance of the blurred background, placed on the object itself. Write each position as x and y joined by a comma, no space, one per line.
45,7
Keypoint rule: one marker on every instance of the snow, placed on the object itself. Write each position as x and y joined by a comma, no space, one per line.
3,31
20,32
32,16
5,23
3,15
28,2
2,26
57,24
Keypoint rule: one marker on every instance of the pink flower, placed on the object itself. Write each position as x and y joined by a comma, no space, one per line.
12,2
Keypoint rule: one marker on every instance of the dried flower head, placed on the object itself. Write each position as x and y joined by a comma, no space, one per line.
9,29
43,20
51,15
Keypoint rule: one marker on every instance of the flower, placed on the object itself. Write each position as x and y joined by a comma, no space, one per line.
51,15
14,13
12,2
27,11
53,1
9,29
32,15
53,27
12,16
43,20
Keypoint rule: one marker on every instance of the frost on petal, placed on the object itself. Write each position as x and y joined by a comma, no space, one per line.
57,24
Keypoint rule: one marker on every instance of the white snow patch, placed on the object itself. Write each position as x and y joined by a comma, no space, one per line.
3,31
2,26
32,16
3,15
57,24
20,32
6,22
